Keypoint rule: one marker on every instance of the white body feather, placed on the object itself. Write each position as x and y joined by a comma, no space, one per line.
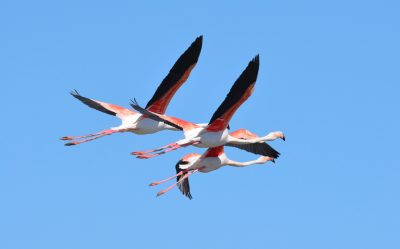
137,124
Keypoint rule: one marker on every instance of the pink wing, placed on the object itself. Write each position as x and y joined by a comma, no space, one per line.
239,93
178,74
255,148
110,109
243,134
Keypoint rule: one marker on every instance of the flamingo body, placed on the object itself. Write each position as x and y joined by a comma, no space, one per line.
215,133
135,122
212,159
209,139
209,164
205,163
148,126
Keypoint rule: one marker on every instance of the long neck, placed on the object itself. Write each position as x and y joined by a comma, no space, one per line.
269,137
242,164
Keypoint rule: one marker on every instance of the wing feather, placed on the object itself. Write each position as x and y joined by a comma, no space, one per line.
104,107
178,74
263,149
180,124
183,186
240,92
152,115
256,148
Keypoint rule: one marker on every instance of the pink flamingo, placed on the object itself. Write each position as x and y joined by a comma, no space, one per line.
135,122
215,133
212,159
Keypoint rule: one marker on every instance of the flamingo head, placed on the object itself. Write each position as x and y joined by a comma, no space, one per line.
279,134
265,159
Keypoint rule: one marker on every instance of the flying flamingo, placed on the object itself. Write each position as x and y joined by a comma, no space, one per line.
135,122
216,132
212,159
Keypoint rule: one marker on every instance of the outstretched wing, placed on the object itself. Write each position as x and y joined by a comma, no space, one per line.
110,109
263,149
239,93
172,121
255,148
183,186
175,78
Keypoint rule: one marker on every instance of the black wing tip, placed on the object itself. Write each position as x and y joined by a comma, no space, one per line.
199,39
92,103
134,102
275,154
135,105
195,48
185,189
192,54
256,58
251,70
271,151
254,64
198,42
74,93
189,196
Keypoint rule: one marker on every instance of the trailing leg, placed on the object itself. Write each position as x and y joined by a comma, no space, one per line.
90,137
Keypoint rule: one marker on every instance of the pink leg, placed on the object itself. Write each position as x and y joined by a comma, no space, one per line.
96,136
80,137
150,151
166,150
162,150
165,180
180,180
150,155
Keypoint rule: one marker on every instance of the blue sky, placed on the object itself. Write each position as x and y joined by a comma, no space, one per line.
328,79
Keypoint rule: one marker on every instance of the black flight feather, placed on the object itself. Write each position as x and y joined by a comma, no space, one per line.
245,80
263,149
185,61
183,186
91,103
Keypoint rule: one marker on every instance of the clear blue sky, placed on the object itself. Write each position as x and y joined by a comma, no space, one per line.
329,78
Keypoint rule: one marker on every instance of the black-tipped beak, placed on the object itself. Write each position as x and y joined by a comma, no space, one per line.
273,160
283,138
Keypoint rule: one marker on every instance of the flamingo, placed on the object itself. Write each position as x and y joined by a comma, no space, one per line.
135,122
212,159
215,133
